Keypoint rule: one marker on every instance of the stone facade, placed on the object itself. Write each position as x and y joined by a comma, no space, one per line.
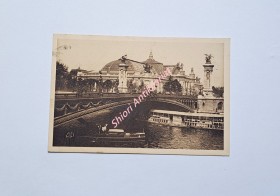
210,105
136,75
207,102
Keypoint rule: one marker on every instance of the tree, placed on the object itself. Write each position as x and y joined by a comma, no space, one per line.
168,85
172,86
218,91
130,86
91,83
115,86
200,90
107,85
176,86
72,80
100,84
80,86
141,86
61,75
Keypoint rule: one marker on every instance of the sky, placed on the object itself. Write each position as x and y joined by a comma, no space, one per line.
93,52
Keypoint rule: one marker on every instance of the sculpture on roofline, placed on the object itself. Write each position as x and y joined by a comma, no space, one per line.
208,58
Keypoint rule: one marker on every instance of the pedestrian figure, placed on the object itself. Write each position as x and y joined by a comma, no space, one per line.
99,128
69,138
104,129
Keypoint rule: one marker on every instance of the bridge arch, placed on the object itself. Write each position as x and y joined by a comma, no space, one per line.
80,113
73,116
173,102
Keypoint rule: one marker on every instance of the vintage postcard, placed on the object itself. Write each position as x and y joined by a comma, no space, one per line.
146,95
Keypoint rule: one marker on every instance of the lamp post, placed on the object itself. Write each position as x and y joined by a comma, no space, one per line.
200,90
187,90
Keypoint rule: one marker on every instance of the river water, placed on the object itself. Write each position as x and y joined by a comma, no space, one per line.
182,138
157,136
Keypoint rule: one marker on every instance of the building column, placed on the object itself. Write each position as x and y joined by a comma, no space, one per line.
122,78
208,70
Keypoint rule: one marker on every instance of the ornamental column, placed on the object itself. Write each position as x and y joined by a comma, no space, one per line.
123,78
208,70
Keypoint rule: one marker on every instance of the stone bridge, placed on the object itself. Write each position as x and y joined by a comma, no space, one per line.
71,107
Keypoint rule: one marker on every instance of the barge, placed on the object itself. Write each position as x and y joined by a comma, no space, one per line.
187,119
118,137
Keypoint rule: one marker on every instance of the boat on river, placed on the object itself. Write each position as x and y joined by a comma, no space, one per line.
118,137
187,119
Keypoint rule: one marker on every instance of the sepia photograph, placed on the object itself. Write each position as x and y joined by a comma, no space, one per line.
146,95
117,98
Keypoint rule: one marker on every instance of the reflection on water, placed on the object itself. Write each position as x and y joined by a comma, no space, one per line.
157,136
181,138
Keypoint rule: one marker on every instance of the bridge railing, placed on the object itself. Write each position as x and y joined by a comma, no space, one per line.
71,116
69,102
105,95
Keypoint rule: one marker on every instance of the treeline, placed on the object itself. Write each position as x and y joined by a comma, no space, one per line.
69,81
218,91
172,86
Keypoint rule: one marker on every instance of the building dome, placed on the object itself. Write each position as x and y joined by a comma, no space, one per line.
156,66
133,67
113,67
